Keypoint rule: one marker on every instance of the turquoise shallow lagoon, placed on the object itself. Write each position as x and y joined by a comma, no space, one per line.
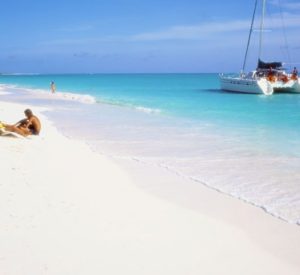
247,146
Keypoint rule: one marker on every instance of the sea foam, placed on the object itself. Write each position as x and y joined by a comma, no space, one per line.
83,98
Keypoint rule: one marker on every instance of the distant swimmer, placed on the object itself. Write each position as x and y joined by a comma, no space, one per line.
52,86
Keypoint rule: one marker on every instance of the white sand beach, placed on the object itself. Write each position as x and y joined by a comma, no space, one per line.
68,210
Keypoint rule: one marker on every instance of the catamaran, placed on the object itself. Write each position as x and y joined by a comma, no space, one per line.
269,77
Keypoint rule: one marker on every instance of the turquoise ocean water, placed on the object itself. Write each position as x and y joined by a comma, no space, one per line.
247,146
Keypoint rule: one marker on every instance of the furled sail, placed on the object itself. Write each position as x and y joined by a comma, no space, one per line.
268,65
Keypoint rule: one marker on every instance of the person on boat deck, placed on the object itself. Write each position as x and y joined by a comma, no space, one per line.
271,76
270,73
283,77
30,125
295,73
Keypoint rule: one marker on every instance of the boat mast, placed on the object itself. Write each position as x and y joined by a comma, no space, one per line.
249,37
261,28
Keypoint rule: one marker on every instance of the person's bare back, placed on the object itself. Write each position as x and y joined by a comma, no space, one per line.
34,125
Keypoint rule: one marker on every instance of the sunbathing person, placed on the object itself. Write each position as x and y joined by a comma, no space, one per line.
28,126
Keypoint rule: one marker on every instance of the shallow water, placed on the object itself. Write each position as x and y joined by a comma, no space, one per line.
247,146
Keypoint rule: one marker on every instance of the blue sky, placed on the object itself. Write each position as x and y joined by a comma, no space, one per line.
124,36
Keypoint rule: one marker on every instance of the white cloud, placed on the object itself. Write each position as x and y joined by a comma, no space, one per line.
193,32
210,29
288,5
78,41
226,32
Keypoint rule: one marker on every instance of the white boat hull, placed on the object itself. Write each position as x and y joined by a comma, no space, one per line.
257,86
292,86
240,85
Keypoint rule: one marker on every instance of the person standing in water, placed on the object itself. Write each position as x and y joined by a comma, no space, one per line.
52,87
